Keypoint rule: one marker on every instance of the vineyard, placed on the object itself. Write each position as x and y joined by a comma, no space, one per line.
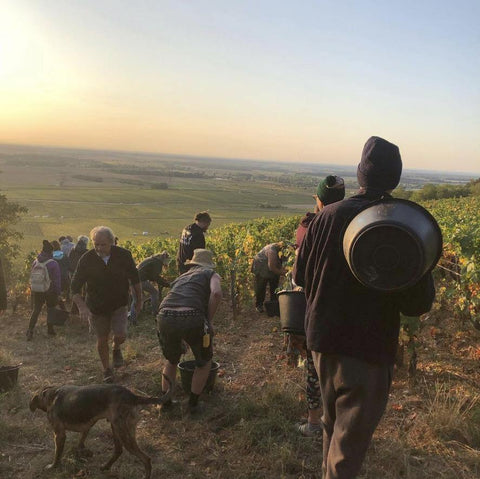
458,274
234,245
430,429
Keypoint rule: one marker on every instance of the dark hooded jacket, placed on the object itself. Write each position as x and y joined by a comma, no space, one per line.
343,316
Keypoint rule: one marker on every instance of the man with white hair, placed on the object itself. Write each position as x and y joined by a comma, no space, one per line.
107,270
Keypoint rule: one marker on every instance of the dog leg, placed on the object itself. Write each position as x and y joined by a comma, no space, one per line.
118,449
127,434
82,450
60,437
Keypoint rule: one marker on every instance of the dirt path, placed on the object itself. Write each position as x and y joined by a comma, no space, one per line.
248,430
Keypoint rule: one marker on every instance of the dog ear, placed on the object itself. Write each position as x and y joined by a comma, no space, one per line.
48,396
43,399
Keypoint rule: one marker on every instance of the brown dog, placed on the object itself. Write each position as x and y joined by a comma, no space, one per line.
78,408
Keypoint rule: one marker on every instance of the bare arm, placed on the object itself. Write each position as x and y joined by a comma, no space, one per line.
215,296
82,306
137,290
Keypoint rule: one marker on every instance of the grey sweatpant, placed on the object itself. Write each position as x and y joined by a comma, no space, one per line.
354,395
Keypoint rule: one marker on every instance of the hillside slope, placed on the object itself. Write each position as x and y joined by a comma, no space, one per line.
431,428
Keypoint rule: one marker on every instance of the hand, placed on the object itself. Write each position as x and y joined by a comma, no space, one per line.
85,313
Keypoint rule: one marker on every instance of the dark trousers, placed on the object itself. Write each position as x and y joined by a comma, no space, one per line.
354,395
261,288
39,299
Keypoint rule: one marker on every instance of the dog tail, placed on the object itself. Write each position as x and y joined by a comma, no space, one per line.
158,399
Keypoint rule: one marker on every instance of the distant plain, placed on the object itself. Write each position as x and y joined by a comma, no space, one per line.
141,196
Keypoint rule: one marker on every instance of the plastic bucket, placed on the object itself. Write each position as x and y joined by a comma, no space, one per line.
391,244
292,311
272,308
186,369
60,317
8,377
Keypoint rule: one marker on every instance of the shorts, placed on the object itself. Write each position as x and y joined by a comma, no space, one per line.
115,322
175,326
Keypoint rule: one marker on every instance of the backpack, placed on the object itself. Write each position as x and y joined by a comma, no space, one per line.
39,277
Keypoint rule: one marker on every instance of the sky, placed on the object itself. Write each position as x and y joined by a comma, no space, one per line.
304,81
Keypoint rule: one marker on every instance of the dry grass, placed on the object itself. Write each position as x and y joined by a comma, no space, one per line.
430,430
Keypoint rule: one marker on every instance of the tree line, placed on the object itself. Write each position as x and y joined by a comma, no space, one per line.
432,191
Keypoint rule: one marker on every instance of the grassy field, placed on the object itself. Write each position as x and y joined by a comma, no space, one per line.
430,430
60,203
129,211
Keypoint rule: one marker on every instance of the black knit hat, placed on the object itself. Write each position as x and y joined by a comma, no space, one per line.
331,189
47,247
381,165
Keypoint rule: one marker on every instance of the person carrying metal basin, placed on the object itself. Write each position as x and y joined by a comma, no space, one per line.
352,329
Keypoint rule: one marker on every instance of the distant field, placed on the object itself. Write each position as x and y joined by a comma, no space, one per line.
68,191
129,211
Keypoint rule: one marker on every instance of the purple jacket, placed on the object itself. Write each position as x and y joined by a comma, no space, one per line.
53,271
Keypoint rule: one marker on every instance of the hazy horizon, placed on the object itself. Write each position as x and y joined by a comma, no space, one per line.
164,155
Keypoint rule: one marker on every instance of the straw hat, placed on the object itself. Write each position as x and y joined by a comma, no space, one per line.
201,257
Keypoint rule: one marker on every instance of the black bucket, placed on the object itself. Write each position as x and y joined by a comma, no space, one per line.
391,244
186,369
272,308
8,377
59,318
292,311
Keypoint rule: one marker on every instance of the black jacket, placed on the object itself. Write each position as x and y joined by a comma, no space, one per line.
75,254
343,316
150,269
107,284
192,238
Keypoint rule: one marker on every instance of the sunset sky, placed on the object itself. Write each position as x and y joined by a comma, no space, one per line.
302,81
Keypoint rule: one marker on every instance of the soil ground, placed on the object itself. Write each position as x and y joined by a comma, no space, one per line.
248,430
